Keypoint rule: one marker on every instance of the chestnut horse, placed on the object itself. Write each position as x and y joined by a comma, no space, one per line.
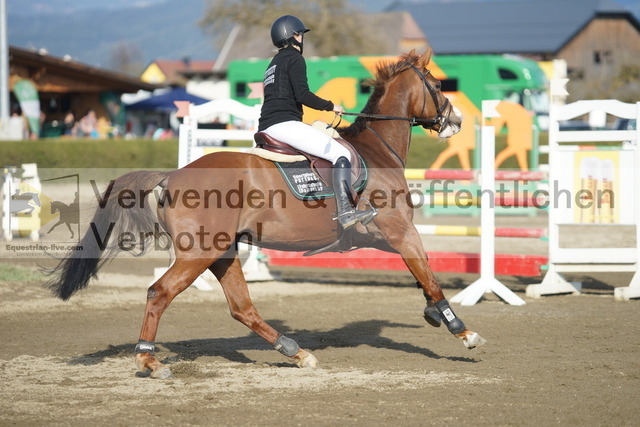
209,205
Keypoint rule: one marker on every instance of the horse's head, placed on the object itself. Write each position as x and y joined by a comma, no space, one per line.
429,106
406,90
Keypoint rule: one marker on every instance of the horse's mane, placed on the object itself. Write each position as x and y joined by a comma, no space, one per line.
385,71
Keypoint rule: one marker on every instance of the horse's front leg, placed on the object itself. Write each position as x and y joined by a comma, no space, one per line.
54,226
178,278
408,243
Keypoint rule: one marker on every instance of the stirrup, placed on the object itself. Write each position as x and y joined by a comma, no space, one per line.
352,211
355,216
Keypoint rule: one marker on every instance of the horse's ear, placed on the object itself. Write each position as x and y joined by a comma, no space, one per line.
426,57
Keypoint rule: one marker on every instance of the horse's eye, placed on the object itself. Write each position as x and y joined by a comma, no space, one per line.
438,85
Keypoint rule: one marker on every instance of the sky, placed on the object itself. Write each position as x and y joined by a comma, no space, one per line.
99,25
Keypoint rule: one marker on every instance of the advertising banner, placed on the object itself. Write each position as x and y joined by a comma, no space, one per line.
595,187
27,95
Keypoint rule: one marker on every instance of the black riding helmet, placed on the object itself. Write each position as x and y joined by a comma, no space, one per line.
285,28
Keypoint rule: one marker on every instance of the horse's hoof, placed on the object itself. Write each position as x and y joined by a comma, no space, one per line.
304,359
163,373
473,340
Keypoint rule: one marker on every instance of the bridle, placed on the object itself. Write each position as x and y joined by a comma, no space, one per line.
443,112
440,118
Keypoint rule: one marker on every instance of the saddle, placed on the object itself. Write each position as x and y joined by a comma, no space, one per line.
323,168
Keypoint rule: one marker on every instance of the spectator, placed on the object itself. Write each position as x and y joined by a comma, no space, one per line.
88,125
70,125
17,126
104,128
151,129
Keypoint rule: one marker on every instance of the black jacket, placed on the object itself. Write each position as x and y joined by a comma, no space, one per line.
286,90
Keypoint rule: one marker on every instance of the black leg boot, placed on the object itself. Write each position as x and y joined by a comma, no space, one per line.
348,216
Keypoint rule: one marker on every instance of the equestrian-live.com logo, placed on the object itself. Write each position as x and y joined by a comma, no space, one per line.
45,212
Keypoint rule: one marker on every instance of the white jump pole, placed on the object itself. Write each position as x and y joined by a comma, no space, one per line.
487,281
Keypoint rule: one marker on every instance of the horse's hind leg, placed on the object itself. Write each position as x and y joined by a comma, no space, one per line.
228,270
70,230
178,278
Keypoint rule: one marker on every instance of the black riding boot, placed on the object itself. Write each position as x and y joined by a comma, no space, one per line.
348,216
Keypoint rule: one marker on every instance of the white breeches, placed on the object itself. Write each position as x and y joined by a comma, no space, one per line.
305,138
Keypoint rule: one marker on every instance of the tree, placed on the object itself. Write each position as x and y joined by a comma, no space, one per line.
626,84
341,29
615,82
125,57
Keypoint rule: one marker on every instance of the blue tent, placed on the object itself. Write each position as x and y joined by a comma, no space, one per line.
165,101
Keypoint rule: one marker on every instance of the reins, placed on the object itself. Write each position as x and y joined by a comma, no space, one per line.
389,147
414,121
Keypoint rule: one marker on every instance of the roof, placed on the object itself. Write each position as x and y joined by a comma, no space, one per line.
175,70
396,27
244,43
93,79
533,26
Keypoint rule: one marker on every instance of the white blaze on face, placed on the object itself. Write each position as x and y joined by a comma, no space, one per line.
453,125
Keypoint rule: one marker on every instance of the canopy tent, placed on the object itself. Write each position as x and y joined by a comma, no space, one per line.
165,101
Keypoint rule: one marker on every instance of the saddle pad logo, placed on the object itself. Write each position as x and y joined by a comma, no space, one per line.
306,185
303,182
307,182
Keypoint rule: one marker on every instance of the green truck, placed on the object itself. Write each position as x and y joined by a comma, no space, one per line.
478,77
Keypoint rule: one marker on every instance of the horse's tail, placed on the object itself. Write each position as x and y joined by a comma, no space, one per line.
117,212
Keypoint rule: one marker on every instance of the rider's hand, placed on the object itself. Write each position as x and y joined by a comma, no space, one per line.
338,109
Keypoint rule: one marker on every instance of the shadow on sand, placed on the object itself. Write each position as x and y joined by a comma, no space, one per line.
364,333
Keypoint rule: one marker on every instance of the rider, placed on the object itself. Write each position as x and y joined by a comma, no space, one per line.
286,90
